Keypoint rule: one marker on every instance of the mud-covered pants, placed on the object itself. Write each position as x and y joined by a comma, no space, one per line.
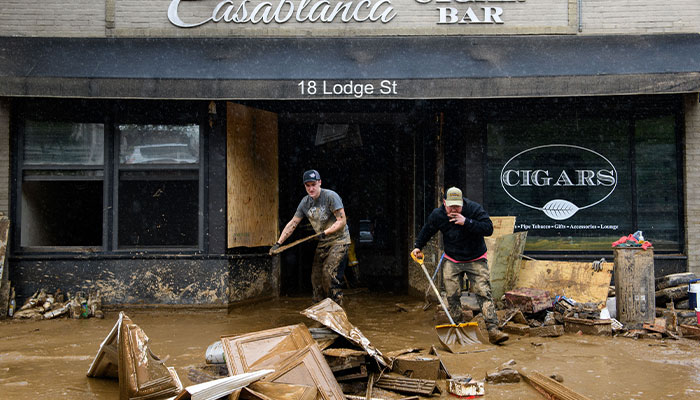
479,283
324,272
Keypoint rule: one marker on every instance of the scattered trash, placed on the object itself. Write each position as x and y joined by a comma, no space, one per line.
402,384
464,386
503,376
333,316
528,300
43,305
633,240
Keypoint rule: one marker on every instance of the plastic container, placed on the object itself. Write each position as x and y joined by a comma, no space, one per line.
215,353
693,290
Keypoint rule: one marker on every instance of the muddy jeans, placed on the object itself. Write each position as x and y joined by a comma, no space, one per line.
479,284
324,272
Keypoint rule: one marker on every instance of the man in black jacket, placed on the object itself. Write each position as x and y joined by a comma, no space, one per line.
463,224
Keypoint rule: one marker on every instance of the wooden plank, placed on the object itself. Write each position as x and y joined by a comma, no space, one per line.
576,280
502,226
550,388
504,260
252,176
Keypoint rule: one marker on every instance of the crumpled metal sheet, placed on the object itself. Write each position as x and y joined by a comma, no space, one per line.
330,314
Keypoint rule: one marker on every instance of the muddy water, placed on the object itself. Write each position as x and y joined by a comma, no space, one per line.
49,359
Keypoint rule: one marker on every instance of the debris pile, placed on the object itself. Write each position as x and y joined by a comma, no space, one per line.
43,305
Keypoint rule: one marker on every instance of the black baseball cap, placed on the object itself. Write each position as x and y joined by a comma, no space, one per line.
311,175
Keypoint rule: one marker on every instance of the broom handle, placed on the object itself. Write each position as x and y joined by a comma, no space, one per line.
437,293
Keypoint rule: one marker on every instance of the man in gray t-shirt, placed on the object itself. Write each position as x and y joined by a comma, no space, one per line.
325,212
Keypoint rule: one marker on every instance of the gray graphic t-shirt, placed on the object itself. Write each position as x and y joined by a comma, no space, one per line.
320,215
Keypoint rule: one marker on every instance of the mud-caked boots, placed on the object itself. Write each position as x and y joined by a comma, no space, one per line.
496,336
337,296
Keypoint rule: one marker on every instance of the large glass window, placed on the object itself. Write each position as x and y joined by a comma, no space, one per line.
62,184
581,183
158,185
109,186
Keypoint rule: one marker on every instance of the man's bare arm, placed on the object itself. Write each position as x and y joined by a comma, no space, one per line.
289,229
340,221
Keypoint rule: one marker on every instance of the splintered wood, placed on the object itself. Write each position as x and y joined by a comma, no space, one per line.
550,388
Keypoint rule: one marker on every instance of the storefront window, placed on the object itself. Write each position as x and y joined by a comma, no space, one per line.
62,188
158,185
108,186
581,184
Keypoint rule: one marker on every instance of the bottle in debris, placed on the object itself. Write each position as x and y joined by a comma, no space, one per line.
57,311
30,303
84,311
75,307
49,302
95,305
59,296
13,304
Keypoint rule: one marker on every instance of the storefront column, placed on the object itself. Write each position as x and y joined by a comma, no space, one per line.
692,180
4,156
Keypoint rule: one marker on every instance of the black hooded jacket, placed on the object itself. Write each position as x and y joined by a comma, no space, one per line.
462,242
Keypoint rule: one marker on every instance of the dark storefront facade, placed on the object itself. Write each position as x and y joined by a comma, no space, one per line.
159,170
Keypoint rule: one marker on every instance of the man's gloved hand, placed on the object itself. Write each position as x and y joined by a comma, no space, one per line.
322,235
274,248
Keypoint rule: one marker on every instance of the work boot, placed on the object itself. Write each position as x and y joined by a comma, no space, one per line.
496,336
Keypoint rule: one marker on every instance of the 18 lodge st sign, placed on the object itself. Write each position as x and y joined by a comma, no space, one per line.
327,11
558,179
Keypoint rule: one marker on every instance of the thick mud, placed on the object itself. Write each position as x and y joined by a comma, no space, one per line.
49,359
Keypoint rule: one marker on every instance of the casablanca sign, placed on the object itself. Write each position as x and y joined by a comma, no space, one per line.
558,179
327,11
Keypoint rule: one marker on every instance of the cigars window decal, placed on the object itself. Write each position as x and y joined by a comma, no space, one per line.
567,178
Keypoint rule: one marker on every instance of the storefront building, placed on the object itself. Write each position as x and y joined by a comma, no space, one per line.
152,150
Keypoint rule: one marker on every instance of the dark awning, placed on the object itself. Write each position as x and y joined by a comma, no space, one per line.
421,67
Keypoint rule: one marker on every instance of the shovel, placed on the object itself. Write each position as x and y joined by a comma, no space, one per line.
457,338
296,242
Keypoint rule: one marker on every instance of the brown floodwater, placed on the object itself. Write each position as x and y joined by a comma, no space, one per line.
49,359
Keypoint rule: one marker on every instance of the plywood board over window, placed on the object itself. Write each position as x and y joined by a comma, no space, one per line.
252,176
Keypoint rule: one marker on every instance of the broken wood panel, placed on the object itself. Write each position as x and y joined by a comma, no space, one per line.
252,176
576,280
407,385
243,351
278,391
550,388
504,260
308,367
502,226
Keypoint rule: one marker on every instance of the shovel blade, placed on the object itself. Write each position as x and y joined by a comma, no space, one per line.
460,338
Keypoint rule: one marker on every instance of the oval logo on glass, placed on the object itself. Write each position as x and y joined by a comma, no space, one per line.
559,179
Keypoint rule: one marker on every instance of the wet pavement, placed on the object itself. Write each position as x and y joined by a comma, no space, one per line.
49,359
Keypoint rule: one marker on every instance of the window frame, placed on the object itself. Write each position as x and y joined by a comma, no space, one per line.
111,114
632,108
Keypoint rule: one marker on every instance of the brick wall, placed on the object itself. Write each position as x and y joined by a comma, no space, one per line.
81,18
640,16
4,156
692,180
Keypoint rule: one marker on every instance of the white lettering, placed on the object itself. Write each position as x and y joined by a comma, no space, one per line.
606,177
447,12
541,182
564,180
267,12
